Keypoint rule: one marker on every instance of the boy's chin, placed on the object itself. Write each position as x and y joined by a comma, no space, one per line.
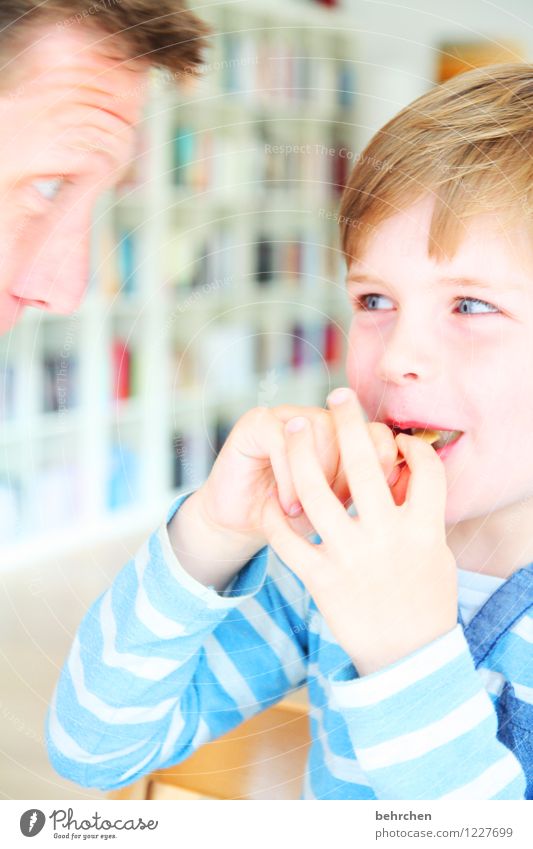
457,513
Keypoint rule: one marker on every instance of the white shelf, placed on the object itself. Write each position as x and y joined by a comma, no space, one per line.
170,225
300,13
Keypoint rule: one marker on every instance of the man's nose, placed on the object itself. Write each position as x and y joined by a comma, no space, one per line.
410,351
55,277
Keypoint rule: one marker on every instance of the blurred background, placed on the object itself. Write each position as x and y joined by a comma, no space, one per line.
217,285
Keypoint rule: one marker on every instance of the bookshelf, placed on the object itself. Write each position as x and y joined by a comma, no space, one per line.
216,285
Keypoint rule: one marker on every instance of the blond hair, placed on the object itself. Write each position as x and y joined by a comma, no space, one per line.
164,33
467,143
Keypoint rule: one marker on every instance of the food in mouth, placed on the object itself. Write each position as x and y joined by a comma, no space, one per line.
437,438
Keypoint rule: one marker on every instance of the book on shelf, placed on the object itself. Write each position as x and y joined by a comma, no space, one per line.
259,159
222,430
125,370
121,367
316,343
273,68
123,480
60,383
192,457
127,262
237,355
295,259
249,178
115,262
7,393
10,509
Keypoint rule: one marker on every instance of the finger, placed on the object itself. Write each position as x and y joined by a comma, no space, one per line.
387,450
327,449
280,466
426,490
360,460
325,441
300,555
386,447
267,440
322,507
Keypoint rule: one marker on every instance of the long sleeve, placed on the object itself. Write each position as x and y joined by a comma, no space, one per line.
425,727
162,664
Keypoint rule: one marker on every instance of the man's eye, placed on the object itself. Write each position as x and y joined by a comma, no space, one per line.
49,189
475,301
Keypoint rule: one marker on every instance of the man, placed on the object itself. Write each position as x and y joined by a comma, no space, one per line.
73,79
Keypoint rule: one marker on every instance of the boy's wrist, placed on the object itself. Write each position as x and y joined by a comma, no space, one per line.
380,658
209,553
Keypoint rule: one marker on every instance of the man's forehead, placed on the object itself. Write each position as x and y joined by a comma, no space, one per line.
62,59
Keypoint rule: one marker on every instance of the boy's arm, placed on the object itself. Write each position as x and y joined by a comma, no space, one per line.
162,664
211,555
425,727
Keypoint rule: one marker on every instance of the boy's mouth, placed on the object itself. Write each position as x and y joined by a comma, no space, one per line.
440,438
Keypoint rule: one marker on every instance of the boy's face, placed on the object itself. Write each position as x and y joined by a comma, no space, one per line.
427,351
68,108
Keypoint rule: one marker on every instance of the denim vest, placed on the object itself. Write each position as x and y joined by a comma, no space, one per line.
491,622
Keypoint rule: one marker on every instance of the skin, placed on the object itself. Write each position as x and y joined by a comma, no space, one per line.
414,355
68,110
422,351
385,580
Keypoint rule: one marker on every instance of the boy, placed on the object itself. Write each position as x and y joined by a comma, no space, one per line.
411,698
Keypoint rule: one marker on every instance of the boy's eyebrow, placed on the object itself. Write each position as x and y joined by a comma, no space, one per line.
446,281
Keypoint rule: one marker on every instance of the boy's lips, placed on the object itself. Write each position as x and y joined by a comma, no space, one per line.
399,424
449,437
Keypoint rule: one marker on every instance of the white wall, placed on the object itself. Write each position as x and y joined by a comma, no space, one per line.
398,41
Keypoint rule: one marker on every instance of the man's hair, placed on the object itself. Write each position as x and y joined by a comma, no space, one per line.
467,143
163,33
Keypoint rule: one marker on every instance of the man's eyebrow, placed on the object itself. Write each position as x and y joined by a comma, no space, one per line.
445,281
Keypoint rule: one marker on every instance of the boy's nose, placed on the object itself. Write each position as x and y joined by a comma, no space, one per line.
409,355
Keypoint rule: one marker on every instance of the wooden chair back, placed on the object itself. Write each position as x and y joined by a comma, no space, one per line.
264,758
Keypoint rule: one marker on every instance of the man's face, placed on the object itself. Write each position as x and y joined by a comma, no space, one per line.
450,345
66,134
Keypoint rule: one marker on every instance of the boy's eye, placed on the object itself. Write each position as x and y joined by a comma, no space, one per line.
477,303
367,303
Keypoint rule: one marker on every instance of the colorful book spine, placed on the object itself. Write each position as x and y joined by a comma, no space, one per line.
121,368
123,477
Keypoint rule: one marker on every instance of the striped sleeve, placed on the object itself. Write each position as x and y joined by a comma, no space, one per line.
162,664
425,727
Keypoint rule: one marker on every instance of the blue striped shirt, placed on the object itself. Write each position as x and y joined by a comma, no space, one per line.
162,664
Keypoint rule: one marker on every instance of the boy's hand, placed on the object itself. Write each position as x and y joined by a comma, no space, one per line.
220,527
385,581
254,461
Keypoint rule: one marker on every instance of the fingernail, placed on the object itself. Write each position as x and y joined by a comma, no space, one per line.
339,396
296,424
295,509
